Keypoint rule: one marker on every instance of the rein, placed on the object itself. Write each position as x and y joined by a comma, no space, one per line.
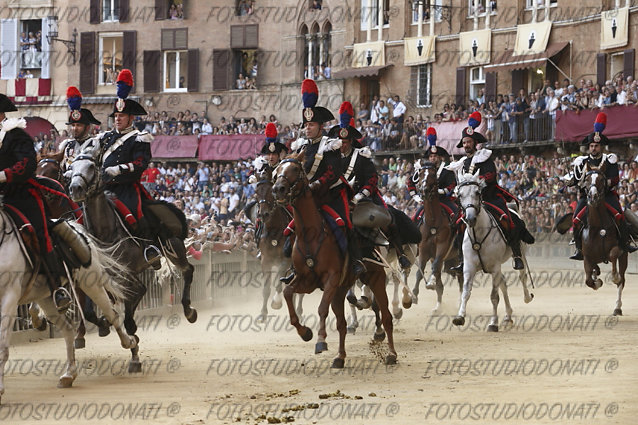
476,244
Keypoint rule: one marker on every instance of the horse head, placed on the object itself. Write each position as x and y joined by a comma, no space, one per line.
290,179
429,184
265,199
49,166
84,174
597,184
468,193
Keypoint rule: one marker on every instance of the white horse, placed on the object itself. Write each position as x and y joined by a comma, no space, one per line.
484,248
19,284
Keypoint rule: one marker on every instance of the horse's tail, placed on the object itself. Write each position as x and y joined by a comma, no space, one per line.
104,260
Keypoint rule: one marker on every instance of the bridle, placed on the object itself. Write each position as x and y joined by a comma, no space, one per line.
429,192
91,186
302,180
54,162
466,206
269,204
601,190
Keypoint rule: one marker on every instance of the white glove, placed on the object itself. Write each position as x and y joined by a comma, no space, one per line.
252,179
417,199
113,171
357,198
3,177
442,192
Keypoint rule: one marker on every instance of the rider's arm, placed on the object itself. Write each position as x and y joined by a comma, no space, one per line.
332,171
447,183
140,157
25,165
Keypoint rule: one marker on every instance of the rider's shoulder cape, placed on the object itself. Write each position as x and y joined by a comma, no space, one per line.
326,144
479,157
11,124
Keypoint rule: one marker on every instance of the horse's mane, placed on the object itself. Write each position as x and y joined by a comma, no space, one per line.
57,156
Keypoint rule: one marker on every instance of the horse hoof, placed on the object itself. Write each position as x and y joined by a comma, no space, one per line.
399,314
79,343
492,328
379,336
351,330
407,304
261,318
192,317
430,286
507,323
307,335
134,367
275,304
364,303
391,359
104,331
415,299
43,326
529,299
338,363
458,321
618,312
352,299
320,347
66,382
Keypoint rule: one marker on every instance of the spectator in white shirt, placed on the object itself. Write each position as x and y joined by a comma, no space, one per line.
207,128
398,110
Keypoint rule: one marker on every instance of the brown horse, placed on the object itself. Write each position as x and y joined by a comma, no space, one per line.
49,166
600,238
437,237
319,264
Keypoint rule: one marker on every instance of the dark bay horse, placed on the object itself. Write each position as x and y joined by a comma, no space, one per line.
437,243
600,237
274,219
103,222
319,264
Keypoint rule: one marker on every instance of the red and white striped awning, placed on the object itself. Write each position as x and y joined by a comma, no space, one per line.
29,91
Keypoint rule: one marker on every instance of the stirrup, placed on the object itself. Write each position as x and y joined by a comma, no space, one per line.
518,263
61,299
287,279
358,268
578,255
404,262
152,256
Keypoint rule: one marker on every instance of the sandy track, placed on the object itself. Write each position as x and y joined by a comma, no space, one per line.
565,362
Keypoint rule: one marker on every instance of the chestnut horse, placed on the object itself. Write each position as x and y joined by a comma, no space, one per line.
437,243
600,237
319,264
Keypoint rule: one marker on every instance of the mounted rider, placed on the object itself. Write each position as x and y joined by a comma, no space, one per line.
23,200
322,165
126,153
360,173
446,179
597,159
494,197
80,121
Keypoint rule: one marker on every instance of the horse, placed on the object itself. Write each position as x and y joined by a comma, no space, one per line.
49,166
600,238
318,263
484,248
437,243
21,283
274,264
103,222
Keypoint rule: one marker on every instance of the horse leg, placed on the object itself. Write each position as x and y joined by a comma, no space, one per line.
522,275
493,325
304,332
354,322
38,320
330,288
67,329
277,299
299,298
181,261
337,305
366,297
376,283
130,305
8,309
436,268
265,290
622,265
396,310
419,277
507,320
79,336
379,333
590,279
468,277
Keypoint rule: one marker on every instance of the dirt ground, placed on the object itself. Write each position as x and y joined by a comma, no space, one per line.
565,361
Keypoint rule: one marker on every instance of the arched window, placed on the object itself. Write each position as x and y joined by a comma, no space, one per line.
316,52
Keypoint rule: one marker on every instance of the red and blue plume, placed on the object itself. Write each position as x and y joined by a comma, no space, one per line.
431,136
601,122
346,113
474,120
271,132
74,98
124,83
309,93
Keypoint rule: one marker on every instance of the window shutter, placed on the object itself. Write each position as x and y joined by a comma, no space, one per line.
124,10
129,52
490,87
601,69
181,39
95,13
152,70
168,40
251,36
630,61
9,51
88,55
45,71
160,9
460,85
236,36
517,80
221,69
193,70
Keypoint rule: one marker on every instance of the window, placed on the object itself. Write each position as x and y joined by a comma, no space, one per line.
110,10
315,4
372,7
175,39
477,81
482,5
111,48
316,55
529,4
175,9
617,64
245,64
424,86
175,71
245,7
31,44
426,10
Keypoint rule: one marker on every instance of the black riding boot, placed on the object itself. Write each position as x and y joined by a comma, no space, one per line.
397,243
578,242
459,245
625,237
152,254
358,268
515,244
54,269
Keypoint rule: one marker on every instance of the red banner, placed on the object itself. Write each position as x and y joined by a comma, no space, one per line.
230,147
574,127
174,147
